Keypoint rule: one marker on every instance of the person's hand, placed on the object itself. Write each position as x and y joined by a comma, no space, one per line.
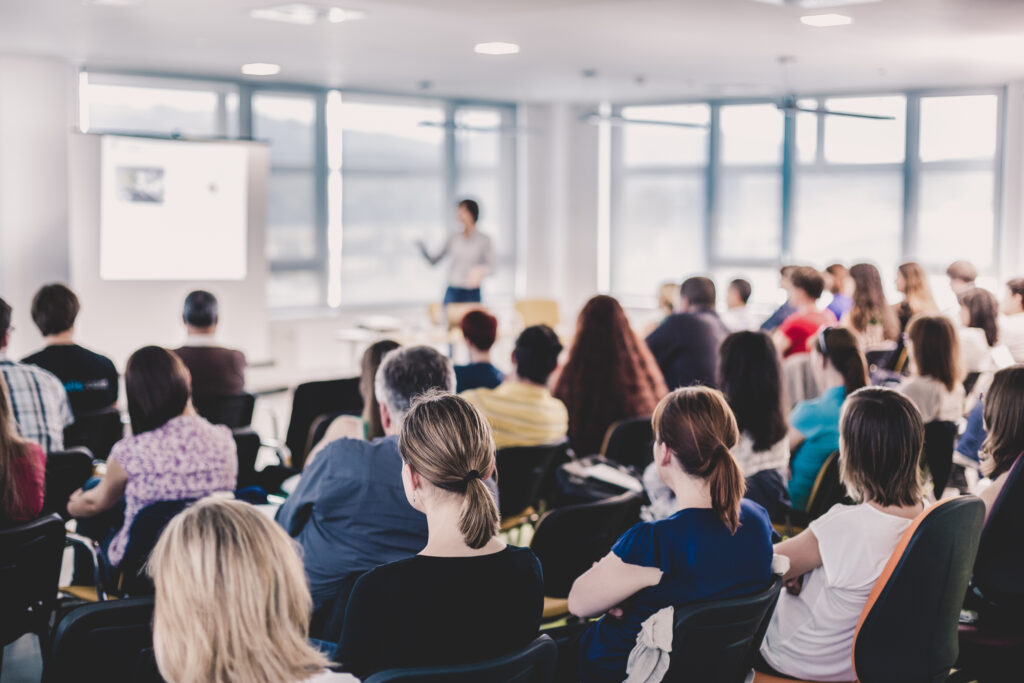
615,612
795,585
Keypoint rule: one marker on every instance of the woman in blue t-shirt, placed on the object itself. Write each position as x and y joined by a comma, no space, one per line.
716,546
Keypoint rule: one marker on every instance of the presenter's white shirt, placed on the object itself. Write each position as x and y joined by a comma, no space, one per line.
466,254
811,634
1011,333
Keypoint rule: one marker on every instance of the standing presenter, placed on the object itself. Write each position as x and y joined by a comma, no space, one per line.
472,256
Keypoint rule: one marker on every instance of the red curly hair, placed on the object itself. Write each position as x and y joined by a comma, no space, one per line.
610,375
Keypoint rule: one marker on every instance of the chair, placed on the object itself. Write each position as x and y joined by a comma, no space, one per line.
716,641
538,312
311,399
908,628
630,442
328,621
145,531
101,642
30,556
522,471
247,443
66,472
97,431
939,440
232,411
533,664
828,490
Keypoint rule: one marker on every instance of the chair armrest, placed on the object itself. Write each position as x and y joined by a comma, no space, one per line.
91,547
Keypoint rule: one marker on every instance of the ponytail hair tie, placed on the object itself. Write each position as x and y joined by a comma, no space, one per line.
473,474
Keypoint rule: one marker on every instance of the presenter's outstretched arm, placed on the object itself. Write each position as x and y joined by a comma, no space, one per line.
436,258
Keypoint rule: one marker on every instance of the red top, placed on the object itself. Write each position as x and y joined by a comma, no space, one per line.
29,472
801,327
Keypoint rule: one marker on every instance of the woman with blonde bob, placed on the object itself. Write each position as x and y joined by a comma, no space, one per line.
231,600
467,596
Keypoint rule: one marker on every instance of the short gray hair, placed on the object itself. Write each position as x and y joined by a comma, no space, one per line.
407,372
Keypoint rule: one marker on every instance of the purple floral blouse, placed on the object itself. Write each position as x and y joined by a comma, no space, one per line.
185,458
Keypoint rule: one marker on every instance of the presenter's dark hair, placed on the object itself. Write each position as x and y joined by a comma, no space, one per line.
5,317
699,291
742,289
536,353
54,309
158,387
473,208
200,309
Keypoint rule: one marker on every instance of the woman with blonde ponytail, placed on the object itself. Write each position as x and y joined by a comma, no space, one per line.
466,596
717,544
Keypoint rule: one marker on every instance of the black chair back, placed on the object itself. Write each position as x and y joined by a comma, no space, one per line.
828,489
247,444
939,439
522,471
97,431
232,411
66,472
30,556
999,568
908,629
630,442
570,539
145,531
533,664
311,399
717,641
102,641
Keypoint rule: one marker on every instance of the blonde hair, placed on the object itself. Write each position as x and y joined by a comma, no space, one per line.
231,599
448,442
918,293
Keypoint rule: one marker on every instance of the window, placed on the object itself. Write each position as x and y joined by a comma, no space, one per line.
850,140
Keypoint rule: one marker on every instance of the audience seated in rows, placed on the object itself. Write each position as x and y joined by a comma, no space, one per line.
936,382
479,330
521,410
738,316
715,546
1004,421
912,283
786,309
467,596
835,563
839,283
814,424
871,317
216,371
1011,323
39,403
610,375
173,454
686,343
807,318
231,600
22,469
979,331
750,377
349,512
90,380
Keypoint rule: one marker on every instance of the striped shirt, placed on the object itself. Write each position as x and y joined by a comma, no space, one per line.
521,414
39,402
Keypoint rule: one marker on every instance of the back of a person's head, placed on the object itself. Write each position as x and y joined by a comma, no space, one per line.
698,292
808,280
750,376
982,312
786,271
742,288
12,447
536,353
157,387
372,358
479,328
201,309
409,371
881,435
839,273
936,349
840,348
471,207
54,309
1016,287
448,442
5,319
1004,421
916,289
231,599
699,428
869,303
963,271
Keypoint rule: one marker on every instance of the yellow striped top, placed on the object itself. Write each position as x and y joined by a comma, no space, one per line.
521,414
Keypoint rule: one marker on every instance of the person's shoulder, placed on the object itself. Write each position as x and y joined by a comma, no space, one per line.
841,514
42,375
38,357
754,515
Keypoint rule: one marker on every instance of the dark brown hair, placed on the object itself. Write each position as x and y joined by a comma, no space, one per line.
936,348
157,386
840,347
839,273
368,373
1016,287
870,306
808,280
750,376
698,426
880,440
983,311
12,447
610,375
1004,421
448,442
54,309
699,292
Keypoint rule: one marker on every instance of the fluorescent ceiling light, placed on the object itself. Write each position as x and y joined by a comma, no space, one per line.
112,3
823,20
816,4
261,69
496,48
305,14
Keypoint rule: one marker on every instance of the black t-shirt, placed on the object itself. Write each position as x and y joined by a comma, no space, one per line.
89,378
686,347
431,611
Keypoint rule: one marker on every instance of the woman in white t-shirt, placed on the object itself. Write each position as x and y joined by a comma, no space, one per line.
835,563
936,385
979,313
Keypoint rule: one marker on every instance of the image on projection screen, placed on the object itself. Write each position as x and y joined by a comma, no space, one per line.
172,210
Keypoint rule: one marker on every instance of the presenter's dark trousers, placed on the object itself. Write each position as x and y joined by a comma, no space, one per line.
460,295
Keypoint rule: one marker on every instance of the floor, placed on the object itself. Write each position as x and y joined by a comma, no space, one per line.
22,661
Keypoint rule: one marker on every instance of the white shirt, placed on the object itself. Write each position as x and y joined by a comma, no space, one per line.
811,634
1011,333
974,349
740,319
751,462
933,399
466,254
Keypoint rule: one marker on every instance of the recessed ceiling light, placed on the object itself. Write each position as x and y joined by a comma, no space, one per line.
496,48
305,14
823,20
261,69
816,4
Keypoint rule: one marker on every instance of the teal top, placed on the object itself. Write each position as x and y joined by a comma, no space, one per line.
818,420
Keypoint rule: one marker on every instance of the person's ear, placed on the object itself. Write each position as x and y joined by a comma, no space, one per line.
415,483
385,416
662,454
